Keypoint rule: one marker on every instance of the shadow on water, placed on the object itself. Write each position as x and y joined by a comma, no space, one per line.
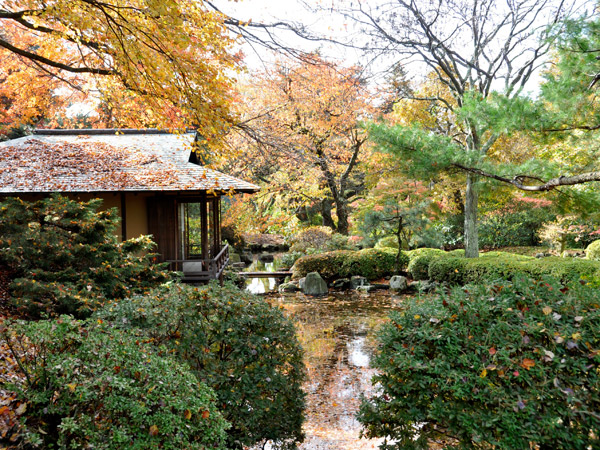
337,333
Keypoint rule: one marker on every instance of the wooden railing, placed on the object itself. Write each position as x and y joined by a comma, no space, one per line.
201,270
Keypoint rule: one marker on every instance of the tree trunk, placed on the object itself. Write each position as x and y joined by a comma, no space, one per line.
342,214
326,204
471,237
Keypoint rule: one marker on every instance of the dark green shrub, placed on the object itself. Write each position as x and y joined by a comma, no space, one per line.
593,250
92,386
370,263
520,228
509,366
421,258
419,261
237,344
505,266
66,257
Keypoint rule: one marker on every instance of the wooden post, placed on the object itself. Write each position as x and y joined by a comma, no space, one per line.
204,226
123,217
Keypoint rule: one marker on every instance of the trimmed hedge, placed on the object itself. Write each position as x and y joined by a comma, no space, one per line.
370,263
593,251
421,258
509,366
506,266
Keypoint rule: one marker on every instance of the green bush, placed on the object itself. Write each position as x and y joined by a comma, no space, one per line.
370,263
91,386
290,258
421,258
519,228
66,257
506,266
419,261
509,366
237,344
593,251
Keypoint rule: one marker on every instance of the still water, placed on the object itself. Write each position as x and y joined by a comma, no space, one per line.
337,333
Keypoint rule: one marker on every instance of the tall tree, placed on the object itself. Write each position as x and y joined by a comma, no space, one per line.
305,117
473,47
169,53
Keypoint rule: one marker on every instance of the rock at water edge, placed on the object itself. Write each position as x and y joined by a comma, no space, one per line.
314,285
398,283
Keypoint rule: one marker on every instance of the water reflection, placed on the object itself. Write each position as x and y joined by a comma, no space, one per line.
262,285
337,334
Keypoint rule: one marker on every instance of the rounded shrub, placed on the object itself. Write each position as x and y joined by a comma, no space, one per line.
92,386
420,259
370,263
593,251
236,343
506,366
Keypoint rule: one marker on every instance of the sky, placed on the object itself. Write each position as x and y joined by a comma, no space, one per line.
329,24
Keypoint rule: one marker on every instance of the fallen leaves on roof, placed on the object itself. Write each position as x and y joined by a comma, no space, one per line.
92,166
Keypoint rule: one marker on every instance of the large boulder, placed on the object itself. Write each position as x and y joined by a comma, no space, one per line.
315,285
398,283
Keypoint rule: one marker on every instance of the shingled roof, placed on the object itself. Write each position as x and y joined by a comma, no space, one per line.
107,161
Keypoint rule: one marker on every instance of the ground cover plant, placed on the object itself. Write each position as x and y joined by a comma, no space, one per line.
234,342
89,385
65,256
506,366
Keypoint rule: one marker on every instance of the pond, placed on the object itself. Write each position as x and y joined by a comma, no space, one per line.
337,334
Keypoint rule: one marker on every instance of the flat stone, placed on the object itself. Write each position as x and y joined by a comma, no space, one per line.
398,283
315,285
426,285
366,288
357,281
288,287
381,286
341,284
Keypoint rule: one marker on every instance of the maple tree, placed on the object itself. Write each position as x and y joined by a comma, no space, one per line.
168,54
303,126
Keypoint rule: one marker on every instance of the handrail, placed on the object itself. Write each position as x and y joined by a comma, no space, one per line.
224,249
213,266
